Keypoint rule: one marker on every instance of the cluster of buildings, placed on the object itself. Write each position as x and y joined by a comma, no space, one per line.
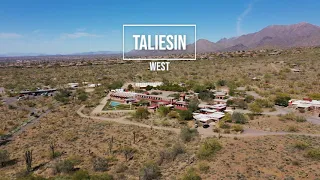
208,112
144,85
155,101
211,113
86,84
305,104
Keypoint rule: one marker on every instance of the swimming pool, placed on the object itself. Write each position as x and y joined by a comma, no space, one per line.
114,103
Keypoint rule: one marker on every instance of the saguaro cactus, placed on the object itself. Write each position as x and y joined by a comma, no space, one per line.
134,137
28,158
110,144
52,146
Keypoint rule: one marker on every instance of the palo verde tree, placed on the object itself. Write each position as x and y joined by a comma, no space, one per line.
150,171
4,157
141,113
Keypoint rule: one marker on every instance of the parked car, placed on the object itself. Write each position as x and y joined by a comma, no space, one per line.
206,125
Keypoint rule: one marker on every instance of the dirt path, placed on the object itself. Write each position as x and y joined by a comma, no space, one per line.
274,67
30,124
122,120
203,132
24,127
254,133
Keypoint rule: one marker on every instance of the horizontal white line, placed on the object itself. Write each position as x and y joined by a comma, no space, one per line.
190,25
159,59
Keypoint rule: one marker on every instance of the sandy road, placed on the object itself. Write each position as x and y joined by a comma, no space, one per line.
203,132
122,120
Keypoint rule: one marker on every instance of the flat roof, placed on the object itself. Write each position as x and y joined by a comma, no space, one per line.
145,84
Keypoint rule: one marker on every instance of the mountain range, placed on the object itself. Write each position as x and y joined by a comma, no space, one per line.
274,36
73,54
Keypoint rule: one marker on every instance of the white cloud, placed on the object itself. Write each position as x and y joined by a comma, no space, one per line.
79,35
81,29
36,31
241,17
10,35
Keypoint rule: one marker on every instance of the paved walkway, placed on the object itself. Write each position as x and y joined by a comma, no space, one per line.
102,104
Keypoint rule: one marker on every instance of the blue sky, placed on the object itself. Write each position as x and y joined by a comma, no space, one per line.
60,26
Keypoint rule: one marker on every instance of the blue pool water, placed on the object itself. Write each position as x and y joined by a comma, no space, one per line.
114,104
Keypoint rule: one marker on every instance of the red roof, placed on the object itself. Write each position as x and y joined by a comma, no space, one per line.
307,99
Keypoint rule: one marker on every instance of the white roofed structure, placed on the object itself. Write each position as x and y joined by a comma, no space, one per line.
313,104
145,84
216,116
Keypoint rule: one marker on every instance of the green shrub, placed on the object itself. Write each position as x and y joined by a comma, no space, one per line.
226,131
65,166
265,103
224,125
282,100
83,96
121,168
301,145
27,176
11,107
255,108
55,154
163,111
4,157
239,118
173,114
100,164
141,113
176,150
249,98
300,119
216,130
293,129
315,96
209,148
104,176
203,167
115,85
191,175
187,134
81,175
63,96
289,116
150,171
314,154
221,82
193,105
237,128
206,95
227,118
185,115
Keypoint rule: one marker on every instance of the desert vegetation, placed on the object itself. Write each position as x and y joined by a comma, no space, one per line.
63,145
